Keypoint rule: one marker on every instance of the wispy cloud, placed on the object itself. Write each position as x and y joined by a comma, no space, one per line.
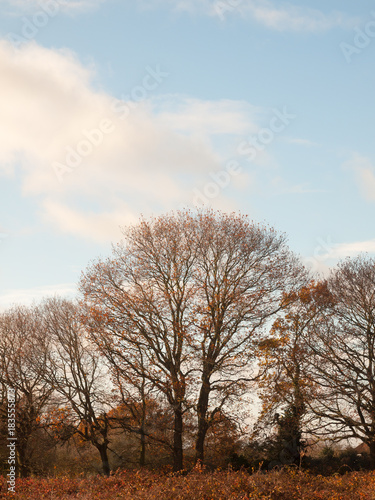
300,142
343,250
280,16
152,158
281,186
66,6
328,254
283,16
27,296
364,170
290,17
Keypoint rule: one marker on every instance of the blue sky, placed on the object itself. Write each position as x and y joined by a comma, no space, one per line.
113,108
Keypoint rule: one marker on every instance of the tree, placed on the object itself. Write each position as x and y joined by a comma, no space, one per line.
24,350
138,411
146,421
342,355
242,271
283,357
140,300
190,290
222,441
75,370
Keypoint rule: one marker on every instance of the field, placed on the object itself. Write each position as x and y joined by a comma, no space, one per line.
199,485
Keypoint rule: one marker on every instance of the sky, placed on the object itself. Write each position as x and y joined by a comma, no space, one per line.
113,109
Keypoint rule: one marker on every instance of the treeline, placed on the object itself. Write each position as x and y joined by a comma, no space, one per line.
156,359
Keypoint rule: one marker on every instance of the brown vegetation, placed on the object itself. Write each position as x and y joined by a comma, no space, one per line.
199,485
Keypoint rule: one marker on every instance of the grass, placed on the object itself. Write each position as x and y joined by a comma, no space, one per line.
286,484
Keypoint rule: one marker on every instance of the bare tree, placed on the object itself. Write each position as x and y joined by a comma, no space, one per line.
140,301
241,273
284,357
137,404
189,291
343,355
24,350
75,370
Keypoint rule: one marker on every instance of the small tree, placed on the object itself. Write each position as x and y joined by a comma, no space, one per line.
75,370
284,357
24,351
342,355
138,410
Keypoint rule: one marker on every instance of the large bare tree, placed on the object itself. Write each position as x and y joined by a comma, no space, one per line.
140,299
190,290
241,273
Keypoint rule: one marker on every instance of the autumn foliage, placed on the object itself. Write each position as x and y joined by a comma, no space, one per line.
199,485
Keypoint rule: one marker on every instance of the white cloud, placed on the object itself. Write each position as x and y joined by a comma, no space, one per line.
327,254
156,152
66,6
202,117
27,296
281,186
343,250
289,17
364,171
284,17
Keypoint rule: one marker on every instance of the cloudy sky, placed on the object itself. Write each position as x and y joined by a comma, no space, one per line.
114,108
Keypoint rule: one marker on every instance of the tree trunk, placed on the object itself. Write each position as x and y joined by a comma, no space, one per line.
103,450
142,456
202,419
178,457
201,436
22,469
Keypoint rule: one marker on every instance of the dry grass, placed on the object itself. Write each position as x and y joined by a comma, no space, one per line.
199,485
